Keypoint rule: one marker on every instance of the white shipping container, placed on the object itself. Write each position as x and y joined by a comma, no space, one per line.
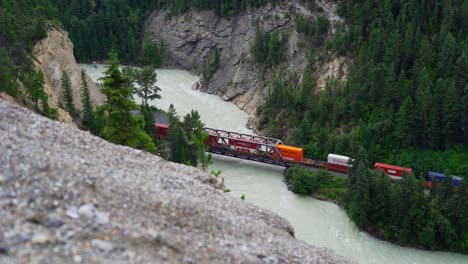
338,159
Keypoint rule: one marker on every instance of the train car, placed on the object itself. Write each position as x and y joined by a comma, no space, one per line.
457,181
440,177
437,176
338,163
243,143
162,129
291,153
394,172
213,141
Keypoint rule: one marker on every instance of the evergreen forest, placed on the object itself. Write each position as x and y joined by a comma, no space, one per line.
22,24
405,101
406,98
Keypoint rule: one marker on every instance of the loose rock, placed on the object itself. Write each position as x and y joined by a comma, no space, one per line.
173,212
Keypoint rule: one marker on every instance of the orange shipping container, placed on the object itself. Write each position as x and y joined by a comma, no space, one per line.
291,153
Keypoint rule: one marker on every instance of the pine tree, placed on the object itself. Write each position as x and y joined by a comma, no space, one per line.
380,198
406,123
67,94
178,143
88,114
121,126
145,80
180,149
34,83
199,139
453,113
359,203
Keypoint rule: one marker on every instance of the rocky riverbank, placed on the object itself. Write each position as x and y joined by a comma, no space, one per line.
67,196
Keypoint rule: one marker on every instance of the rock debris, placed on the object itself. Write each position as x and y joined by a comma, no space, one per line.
69,197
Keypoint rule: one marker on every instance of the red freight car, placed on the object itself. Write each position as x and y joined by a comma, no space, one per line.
395,172
162,130
338,168
242,143
213,141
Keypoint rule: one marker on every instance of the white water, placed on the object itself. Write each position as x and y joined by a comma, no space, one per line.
316,222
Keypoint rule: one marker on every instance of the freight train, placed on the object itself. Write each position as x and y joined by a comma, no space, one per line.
269,150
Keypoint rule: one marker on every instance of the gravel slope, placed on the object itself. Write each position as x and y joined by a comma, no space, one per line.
67,196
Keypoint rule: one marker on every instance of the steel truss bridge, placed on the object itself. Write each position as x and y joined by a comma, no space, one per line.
244,146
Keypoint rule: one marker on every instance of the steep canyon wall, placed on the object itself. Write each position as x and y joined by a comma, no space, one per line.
190,38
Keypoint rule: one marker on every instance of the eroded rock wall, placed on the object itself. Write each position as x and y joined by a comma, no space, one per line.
53,55
69,197
190,38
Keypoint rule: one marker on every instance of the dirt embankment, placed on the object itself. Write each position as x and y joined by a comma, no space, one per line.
53,55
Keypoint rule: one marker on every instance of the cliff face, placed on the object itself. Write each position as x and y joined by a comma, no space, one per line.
53,55
190,38
67,196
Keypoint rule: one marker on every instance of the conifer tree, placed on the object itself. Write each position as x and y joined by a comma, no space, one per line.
199,139
121,126
34,83
88,114
453,112
67,94
359,203
145,80
179,146
406,123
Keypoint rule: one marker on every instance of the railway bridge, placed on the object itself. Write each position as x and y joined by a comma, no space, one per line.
273,151
255,148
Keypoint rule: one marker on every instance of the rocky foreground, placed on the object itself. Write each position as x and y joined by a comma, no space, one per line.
67,196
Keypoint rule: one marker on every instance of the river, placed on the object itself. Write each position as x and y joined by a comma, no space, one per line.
316,222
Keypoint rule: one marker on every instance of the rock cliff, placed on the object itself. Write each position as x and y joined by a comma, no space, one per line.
53,55
191,37
67,196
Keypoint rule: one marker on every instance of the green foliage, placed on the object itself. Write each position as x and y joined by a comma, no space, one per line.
216,173
403,212
7,75
300,181
98,26
178,142
199,139
221,7
147,113
359,195
405,99
211,65
22,24
34,82
143,82
48,111
152,54
323,184
267,48
121,126
313,29
88,114
67,95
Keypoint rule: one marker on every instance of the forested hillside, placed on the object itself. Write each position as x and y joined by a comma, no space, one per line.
406,98
96,27
22,24
99,26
